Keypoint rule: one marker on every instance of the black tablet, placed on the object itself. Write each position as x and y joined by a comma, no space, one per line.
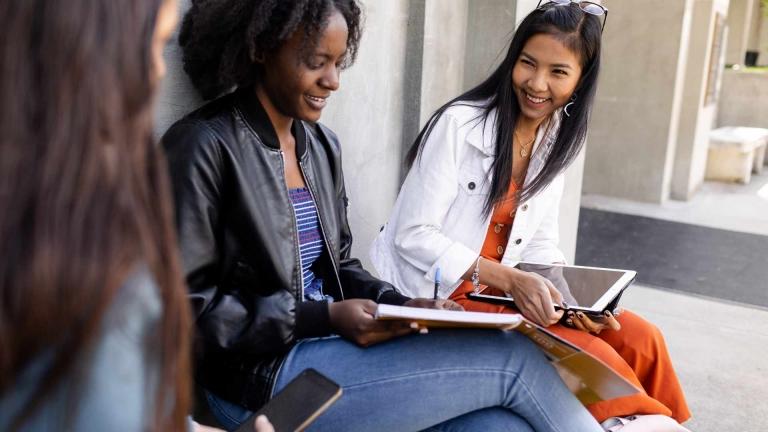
588,289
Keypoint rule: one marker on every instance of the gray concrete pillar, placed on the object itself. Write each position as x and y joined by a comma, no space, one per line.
490,26
753,37
698,110
762,38
739,22
634,129
414,57
176,96
445,26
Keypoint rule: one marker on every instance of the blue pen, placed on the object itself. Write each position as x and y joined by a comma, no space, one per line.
437,281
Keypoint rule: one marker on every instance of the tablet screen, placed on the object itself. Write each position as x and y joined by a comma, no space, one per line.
580,286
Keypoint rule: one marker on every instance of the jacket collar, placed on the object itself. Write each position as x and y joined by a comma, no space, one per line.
481,134
258,120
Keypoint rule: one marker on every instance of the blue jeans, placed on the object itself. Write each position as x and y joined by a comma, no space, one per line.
447,380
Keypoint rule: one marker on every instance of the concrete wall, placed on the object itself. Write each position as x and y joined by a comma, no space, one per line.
412,59
445,27
632,140
762,38
490,26
756,16
367,115
739,22
744,99
696,118
176,96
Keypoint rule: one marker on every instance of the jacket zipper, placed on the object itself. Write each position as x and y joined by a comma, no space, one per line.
322,229
300,298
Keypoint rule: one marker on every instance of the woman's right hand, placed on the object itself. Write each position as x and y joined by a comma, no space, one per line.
355,320
535,296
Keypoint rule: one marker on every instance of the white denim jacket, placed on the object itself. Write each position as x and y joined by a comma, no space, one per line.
438,220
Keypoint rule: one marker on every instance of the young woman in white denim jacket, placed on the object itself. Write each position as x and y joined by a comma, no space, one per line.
522,126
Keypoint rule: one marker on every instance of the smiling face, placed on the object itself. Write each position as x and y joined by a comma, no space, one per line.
544,77
297,83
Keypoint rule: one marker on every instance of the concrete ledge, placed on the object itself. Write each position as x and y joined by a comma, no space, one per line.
735,152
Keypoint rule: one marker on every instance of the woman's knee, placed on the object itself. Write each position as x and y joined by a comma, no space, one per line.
489,419
638,333
518,345
485,346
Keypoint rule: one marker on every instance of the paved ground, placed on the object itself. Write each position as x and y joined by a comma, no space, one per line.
731,206
720,351
696,259
720,348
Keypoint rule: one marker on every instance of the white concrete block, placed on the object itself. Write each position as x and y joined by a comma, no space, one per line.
734,152
729,164
759,158
765,155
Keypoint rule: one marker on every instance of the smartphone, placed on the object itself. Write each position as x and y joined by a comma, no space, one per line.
298,404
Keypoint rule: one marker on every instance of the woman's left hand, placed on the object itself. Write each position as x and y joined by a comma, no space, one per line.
581,321
426,303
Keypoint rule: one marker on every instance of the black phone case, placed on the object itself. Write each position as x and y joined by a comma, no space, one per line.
298,404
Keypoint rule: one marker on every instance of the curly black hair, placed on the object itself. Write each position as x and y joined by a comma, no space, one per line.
221,39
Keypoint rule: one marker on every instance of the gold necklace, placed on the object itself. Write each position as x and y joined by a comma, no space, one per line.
523,147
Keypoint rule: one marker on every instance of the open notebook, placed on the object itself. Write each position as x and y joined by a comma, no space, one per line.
587,377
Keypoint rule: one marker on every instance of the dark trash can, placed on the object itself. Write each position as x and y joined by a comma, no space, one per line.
750,59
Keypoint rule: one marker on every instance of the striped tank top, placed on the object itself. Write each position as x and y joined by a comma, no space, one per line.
310,241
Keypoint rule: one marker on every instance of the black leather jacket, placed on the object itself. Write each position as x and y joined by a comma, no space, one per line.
239,246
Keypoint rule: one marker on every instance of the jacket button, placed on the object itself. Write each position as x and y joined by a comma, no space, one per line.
500,250
471,185
525,207
518,241
497,228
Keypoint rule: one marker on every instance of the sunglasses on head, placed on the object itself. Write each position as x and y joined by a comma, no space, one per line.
589,7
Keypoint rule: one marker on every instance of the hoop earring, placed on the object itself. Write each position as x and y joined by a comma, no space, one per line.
568,105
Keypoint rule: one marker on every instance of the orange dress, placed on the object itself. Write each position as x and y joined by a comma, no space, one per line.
637,351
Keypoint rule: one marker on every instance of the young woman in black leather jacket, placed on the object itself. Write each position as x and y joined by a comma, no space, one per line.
261,215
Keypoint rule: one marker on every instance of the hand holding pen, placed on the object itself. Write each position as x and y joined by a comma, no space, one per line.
435,302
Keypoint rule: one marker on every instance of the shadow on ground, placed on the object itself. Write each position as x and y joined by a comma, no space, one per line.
712,262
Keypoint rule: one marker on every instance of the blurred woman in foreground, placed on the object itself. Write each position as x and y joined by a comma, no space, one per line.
93,318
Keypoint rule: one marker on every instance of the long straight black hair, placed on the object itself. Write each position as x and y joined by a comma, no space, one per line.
578,31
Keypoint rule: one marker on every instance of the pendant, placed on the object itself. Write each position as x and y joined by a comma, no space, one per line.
523,152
